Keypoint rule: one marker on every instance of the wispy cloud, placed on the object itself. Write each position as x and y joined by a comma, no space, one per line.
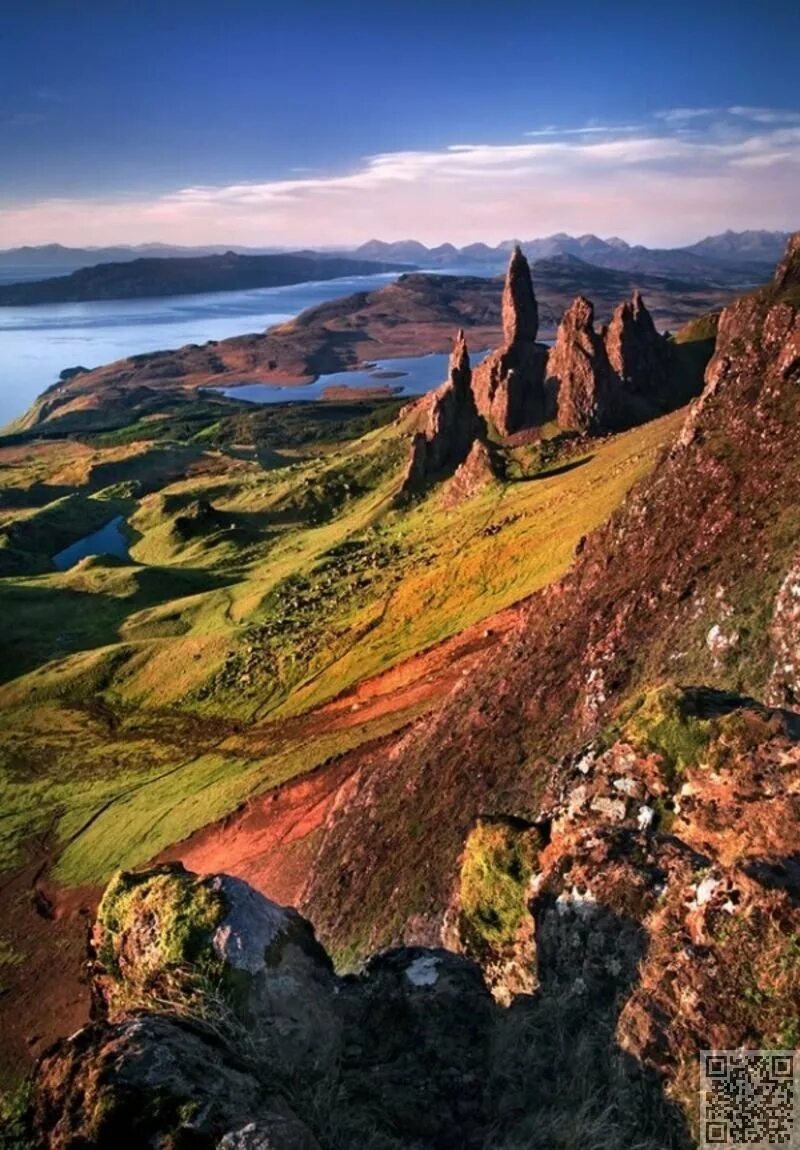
588,130
21,119
686,172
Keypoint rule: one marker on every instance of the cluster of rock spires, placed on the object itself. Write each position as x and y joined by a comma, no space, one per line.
596,382
608,379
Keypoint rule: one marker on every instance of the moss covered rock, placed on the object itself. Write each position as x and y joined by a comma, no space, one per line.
488,918
169,939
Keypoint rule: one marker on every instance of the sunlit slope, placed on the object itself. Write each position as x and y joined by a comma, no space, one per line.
253,595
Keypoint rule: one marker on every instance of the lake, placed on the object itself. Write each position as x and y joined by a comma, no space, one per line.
109,540
409,375
36,343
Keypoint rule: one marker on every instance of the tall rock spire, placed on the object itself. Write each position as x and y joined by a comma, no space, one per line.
579,363
509,384
450,426
520,310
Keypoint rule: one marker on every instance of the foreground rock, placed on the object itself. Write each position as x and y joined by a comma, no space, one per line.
651,909
509,383
216,1007
167,935
151,1080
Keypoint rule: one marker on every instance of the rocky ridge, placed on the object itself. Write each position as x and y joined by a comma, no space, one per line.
699,553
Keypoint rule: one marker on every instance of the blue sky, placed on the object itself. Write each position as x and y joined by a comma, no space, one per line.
309,122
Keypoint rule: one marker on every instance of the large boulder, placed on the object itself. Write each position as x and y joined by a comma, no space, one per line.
157,1081
167,935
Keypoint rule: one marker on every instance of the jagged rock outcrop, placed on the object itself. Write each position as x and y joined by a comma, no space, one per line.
214,1006
477,470
578,363
451,425
509,384
614,378
639,356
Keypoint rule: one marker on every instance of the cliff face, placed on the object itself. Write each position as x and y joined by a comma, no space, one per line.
451,425
509,384
680,585
578,364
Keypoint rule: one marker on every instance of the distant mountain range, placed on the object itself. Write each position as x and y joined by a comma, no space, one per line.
731,258
150,278
52,256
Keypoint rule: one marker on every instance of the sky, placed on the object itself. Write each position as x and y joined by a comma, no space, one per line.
303,123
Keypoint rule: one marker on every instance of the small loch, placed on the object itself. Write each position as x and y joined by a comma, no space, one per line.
108,540
409,375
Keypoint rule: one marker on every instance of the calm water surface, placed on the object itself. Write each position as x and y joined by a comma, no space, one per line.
109,540
410,375
36,343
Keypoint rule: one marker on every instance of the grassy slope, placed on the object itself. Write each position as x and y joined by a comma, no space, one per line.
140,701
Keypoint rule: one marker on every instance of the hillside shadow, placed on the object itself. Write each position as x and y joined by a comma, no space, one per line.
552,472
43,623
562,1079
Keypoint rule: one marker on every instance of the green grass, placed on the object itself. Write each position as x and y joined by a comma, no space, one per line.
498,862
664,722
307,581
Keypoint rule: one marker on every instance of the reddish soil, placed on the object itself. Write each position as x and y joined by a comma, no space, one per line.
270,842
46,994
